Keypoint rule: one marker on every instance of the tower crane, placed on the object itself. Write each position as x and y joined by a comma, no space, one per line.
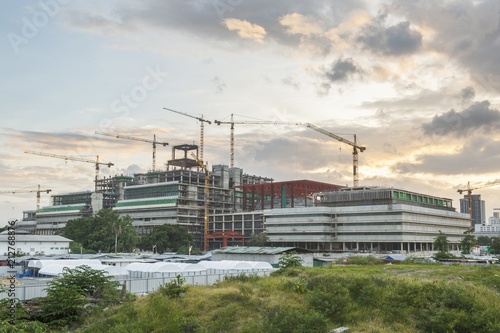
30,191
38,191
201,120
469,190
232,123
74,158
154,142
207,183
356,147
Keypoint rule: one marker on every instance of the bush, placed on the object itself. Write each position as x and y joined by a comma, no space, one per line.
174,288
24,327
66,295
329,295
360,260
290,259
294,320
63,305
242,278
443,255
299,285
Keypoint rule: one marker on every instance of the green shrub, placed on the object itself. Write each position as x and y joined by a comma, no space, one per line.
290,259
24,327
360,260
443,255
242,278
63,304
287,319
330,296
174,288
299,285
66,295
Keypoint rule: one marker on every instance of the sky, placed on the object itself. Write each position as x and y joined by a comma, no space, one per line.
416,81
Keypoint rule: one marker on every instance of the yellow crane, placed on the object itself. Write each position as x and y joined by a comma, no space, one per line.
232,123
38,191
202,128
356,147
74,158
469,190
207,190
30,191
154,142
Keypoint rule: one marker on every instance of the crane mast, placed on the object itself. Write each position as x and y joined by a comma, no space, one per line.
469,190
74,158
207,191
202,130
232,123
356,147
38,191
154,142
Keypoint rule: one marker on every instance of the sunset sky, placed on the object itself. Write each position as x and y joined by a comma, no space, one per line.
418,82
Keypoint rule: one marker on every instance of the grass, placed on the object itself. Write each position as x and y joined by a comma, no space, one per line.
366,298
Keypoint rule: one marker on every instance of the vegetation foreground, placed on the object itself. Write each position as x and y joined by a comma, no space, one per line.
365,298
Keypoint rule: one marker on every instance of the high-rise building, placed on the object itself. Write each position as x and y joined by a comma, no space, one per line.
478,208
492,229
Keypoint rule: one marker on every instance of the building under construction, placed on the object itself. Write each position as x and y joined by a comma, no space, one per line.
302,213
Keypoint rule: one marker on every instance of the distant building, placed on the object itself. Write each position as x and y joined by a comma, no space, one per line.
367,219
172,196
478,208
36,245
492,229
66,206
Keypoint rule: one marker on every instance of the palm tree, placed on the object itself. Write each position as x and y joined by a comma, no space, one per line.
116,226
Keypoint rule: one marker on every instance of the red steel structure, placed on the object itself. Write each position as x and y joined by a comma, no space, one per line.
254,196
225,235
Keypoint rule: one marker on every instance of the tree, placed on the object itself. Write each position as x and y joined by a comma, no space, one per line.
483,241
495,245
96,232
166,236
116,226
258,239
290,259
66,295
441,242
467,243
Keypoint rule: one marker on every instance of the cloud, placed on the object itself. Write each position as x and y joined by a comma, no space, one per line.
395,40
299,24
477,116
467,94
245,29
341,70
220,86
290,81
478,156
202,19
465,31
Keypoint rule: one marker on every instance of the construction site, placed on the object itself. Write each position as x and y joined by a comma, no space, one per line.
223,205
